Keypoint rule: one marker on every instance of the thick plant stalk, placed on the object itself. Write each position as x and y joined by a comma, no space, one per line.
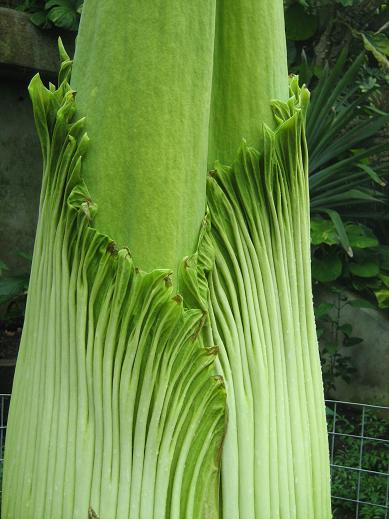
116,407
275,454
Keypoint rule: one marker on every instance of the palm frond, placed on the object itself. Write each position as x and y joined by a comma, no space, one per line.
343,141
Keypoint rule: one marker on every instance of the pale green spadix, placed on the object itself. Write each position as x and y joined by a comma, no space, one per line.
249,70
130,400
143,76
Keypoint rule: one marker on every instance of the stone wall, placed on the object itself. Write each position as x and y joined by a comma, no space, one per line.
24,51
20,174
370,384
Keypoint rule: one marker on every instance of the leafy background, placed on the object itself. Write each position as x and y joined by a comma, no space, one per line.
64,14
340,48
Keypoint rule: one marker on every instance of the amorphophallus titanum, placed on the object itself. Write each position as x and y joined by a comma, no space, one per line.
181,379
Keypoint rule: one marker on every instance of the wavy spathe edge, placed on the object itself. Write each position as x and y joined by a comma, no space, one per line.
275,460
142,357
116,407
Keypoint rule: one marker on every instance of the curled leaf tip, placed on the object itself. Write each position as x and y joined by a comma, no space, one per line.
178,299
128,252
168,280
112,248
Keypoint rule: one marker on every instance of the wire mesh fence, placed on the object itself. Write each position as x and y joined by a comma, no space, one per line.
359,456
4,406
358,437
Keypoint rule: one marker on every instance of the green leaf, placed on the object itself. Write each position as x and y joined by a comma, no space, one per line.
360,236
62,17
299,24
346,329
323,309
341,230
331,347
323,231
40,19
365,269
326,269
329,411
378,45
382,298
360,194
352,341
372,174
384,278
319,332
10,287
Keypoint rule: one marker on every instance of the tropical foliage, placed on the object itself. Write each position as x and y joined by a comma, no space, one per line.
64,14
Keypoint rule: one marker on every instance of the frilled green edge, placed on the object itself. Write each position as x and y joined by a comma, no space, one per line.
116,410
275,461
112,350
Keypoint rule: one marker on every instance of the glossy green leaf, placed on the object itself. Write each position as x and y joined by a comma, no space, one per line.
327,268
365,269
378,45
331,347
62,17
39,19
329,411
341,230
382,298
323,231
372,174
384,278
360,236
11,287
323,309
